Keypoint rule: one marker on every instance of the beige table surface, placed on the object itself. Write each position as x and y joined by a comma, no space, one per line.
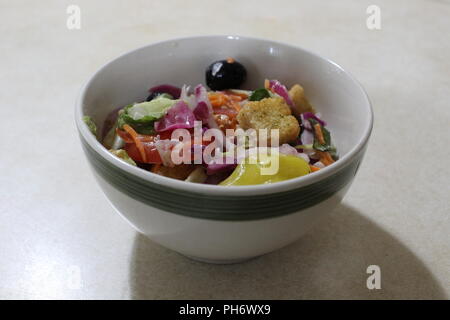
59,238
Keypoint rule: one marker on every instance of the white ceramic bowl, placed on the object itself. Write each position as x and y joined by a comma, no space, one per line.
214,223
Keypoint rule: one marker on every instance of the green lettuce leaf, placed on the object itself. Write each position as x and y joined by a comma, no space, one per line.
141,116
91,124
122,154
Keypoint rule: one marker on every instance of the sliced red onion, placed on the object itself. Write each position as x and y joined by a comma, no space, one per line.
217,178
307,137
291,151
305,123
166,88
304,156
201,112
214,168
226,163
308,115
177,117
288,150
206,110
276,87
164,148
184,94
187,97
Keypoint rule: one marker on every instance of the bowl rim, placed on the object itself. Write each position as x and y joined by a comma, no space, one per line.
216,189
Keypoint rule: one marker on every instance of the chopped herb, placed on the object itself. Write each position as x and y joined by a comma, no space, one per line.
259,94
326,146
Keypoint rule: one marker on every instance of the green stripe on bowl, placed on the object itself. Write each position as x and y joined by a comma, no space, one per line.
216,207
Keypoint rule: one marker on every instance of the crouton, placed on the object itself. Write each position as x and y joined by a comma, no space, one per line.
270,113
301,104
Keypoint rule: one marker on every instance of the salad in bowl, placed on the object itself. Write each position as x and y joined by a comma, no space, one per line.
215,162
221,135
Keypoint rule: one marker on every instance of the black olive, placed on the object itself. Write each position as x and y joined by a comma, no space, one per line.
225,74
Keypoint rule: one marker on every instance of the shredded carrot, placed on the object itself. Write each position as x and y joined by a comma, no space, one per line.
242,95
319,133
228,99
233,97
235,105
267,84
215,95
230,60
314,168
138,142
325,158
218,102
217,99
124,135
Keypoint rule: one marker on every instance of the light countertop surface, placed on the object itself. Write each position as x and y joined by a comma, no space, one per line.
60,238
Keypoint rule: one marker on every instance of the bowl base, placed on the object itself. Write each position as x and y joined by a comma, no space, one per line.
213,261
